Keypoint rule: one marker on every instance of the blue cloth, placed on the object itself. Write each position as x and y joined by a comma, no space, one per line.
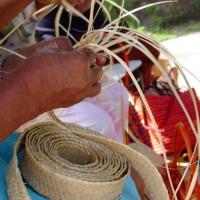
6,150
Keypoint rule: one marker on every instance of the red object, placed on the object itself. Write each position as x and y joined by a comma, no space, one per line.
176,172
168,113
137,127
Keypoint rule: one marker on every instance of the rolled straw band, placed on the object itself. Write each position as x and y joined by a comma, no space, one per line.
76,163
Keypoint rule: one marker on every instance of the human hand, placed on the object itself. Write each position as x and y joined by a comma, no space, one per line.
81,5
48,79
56,78
62,43
13,62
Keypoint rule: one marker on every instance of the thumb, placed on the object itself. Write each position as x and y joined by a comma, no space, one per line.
61,43
46,2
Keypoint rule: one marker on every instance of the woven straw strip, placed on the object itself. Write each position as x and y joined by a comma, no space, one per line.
76,163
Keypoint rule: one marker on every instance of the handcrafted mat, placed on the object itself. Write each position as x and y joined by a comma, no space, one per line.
76,163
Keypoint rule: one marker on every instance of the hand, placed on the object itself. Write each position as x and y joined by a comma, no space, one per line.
13,62
62,43
48,79
81,5
46,2
56,78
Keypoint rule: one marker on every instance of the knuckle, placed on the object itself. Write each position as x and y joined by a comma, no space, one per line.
64,39
98,72
98,89
95,90
63,43
89,54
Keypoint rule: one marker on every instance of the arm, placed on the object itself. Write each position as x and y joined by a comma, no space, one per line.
14,62
10,8
49,79
16,105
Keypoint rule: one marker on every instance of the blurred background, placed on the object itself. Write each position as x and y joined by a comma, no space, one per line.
176,25
164,21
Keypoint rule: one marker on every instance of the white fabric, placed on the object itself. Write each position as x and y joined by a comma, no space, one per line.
106,113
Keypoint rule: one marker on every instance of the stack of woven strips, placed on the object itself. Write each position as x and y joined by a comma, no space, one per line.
76,163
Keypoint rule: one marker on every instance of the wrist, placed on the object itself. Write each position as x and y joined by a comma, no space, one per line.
16,105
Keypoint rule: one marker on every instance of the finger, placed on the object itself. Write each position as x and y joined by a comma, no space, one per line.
79,1
46,2
90,60
100,59
61,43
94,90
96,74
83,5
75,2
90,56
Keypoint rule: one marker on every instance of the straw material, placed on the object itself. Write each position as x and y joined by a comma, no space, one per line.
156,159
76,163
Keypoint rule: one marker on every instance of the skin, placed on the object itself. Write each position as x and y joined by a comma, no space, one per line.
53,75
16,6
13,62
81,5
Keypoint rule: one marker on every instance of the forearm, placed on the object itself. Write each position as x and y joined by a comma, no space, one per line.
16,106
10,8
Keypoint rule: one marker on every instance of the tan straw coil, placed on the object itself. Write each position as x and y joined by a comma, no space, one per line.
76,163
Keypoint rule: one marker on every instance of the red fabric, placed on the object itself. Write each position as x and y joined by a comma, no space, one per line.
168,113
137,127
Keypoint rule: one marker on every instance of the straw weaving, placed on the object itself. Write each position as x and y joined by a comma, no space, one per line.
75,163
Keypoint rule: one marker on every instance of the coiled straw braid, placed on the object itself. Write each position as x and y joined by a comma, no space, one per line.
72,162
